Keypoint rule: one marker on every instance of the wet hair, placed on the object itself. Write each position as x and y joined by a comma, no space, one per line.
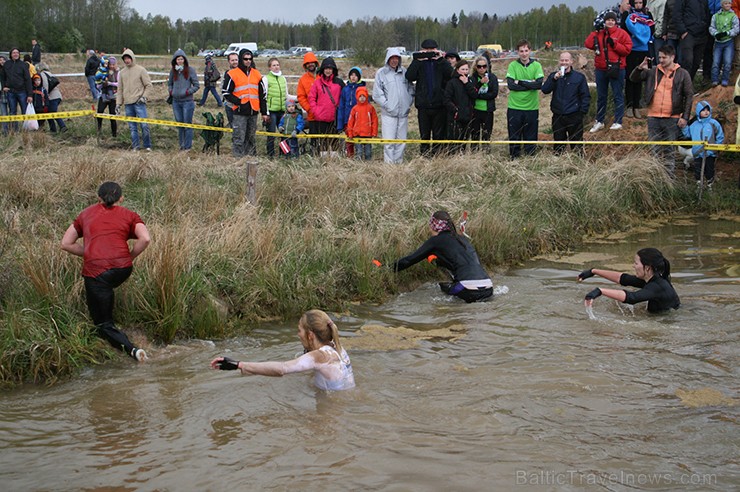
110,192
320,324
654,259
523,42
442,215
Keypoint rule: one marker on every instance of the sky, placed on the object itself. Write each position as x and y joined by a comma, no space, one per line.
337,11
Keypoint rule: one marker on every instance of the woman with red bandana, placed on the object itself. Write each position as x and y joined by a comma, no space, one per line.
453,252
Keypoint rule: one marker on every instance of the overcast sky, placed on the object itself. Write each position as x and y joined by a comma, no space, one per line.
337,11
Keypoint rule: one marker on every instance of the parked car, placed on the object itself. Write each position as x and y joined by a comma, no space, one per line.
237,47
467,55
299,50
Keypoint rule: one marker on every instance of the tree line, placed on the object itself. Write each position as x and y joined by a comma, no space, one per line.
76,25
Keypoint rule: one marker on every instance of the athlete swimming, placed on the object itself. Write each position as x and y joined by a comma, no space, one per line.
323,354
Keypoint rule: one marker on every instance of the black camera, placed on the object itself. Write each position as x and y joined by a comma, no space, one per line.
424,55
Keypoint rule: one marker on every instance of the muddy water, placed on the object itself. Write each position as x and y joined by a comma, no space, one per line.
524,392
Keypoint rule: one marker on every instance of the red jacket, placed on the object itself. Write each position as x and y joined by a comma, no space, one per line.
622,46
363,120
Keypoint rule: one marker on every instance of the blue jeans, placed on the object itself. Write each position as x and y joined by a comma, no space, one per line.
603,82
4,110
184,114
138,110
93,90
14,99
364,151
723,53
53,108
212,90
272,127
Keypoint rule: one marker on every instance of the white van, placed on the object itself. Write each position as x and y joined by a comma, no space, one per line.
237,47
299,50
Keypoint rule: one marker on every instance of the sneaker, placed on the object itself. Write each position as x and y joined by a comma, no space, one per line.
715,84
724,83
597,126
148,149
139,354
615,126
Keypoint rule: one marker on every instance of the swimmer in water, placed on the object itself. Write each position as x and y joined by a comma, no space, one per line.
323,354
470,282
652,276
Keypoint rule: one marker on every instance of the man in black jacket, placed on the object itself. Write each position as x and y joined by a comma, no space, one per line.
16,82
691,18
35,52
91,67
569,103
430,71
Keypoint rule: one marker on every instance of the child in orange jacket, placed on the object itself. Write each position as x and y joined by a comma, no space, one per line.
363,123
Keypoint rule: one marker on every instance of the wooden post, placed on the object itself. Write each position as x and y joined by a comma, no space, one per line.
252,182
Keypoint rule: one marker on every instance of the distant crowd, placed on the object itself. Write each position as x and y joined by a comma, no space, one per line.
647,55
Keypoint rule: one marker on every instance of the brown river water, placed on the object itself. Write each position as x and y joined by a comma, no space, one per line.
525,392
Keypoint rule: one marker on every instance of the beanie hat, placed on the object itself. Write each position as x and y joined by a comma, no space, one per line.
610,15
357,71
111,59
429,44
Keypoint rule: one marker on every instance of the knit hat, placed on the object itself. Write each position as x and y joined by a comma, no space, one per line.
111,60
289,102
452,54
610,15
357,71
429,44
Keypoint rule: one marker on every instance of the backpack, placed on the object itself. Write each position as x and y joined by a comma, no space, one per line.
51,81
215,75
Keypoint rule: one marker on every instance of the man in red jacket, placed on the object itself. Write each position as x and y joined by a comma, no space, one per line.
610,63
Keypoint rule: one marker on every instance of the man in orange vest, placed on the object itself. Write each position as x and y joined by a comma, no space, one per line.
244,91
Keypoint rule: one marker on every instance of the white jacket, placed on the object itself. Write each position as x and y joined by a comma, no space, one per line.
391,91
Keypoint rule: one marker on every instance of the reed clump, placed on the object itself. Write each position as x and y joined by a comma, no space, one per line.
218,263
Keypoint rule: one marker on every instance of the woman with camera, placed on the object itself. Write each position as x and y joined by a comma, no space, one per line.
611,46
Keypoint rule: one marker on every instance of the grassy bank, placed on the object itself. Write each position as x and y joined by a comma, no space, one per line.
217,263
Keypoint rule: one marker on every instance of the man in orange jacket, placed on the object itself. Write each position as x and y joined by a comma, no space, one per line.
310,64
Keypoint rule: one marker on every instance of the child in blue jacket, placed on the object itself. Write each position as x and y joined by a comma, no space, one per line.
347,101
704,128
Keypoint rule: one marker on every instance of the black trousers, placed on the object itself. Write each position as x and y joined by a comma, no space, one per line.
482,126
522,125
432,123
567,127
111,105
100,299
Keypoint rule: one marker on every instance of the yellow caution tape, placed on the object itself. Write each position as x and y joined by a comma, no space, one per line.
151,121
46,116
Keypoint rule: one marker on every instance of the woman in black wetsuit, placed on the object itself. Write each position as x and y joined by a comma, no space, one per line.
652,277
470,282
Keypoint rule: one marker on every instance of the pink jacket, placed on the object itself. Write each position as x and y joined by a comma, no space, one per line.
324,99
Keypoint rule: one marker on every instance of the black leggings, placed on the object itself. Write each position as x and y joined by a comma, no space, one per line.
100,299
111,105
467,295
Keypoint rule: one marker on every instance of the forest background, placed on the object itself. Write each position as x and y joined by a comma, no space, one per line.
109,25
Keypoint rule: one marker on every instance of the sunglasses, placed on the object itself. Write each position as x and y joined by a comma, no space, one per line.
246,59
482,66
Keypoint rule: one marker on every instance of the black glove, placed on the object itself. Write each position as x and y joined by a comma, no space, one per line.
722,34
593,294
228,364
610,42
586,274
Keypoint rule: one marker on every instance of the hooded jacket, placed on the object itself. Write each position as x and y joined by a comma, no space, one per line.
305,83
348,99
391,91
16,76
91,65
133,82
704,129
622,46
640,26
182,85
363,120
323,98
682,93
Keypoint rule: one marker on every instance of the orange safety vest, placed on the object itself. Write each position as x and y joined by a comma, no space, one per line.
246,87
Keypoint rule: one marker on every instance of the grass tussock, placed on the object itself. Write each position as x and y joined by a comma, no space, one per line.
217,263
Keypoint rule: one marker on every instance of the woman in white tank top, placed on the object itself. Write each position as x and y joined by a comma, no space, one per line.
323,354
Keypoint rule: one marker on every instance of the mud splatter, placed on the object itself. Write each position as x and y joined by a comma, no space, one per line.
376,337
704,397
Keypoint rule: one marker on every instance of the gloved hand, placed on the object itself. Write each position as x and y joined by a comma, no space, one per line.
281,129
585,274
722,34
225,364
610,42
593,294
118,110
293,134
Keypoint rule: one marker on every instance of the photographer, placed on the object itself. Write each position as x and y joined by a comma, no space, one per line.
611,46
431,71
